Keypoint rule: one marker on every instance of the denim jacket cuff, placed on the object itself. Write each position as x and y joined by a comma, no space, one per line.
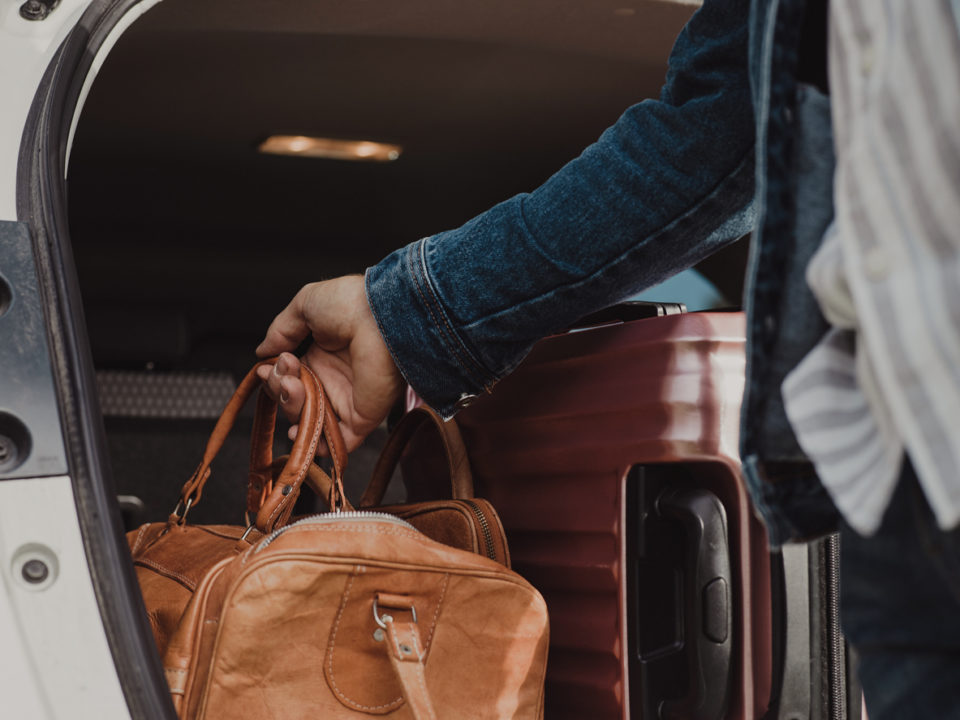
415,325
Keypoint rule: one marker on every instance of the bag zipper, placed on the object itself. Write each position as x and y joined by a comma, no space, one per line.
324,518
484,526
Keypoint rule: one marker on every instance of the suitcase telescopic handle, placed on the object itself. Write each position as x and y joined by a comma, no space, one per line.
707,607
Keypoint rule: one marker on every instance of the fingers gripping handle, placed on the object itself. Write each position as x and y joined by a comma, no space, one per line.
263,470
316,419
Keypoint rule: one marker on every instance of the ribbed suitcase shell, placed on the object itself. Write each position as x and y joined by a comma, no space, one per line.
552,446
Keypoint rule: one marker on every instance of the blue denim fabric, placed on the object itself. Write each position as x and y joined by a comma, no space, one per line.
900,607
671,182
784,323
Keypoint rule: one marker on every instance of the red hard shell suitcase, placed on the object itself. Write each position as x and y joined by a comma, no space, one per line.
611,455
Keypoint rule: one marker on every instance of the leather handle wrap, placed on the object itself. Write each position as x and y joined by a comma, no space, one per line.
260,482
318,480
461,479
263,472
316,419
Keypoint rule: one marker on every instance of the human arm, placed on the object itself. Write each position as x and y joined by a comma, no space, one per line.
347,354
668,184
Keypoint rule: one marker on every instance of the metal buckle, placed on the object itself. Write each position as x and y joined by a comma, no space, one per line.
186,509
384,619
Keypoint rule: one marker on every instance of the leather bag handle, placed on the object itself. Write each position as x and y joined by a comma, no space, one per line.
318,480
316,419
264,474
405,650
458,464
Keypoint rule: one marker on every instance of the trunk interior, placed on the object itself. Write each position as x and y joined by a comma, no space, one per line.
188,240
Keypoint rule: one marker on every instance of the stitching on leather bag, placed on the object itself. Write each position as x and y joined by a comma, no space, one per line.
330,648
204,594
319,429
394,640
310,453
420,671
136,543
436,614
153,565
323,416
422,675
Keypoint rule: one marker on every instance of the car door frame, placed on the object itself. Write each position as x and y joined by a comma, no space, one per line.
42,205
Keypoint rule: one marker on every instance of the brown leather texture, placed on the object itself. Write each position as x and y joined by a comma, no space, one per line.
290,629
171,558
453,452
469,524
464,521
185,573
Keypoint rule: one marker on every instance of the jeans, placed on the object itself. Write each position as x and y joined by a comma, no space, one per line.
900,609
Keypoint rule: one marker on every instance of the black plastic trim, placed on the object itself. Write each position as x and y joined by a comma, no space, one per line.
680,639
42,203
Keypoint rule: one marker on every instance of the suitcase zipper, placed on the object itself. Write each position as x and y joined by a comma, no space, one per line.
334,517
485,527
835,649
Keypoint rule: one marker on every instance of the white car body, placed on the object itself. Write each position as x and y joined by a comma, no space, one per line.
56,659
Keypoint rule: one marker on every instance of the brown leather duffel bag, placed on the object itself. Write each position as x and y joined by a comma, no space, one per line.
172,558
348,613
357,614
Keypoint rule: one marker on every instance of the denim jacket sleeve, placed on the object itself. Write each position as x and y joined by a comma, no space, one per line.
669,183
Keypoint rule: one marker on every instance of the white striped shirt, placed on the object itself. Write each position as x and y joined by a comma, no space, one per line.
887,377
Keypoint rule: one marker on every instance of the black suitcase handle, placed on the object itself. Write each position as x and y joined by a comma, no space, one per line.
707,607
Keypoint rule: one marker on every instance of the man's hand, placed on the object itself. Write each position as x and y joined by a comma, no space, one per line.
347,354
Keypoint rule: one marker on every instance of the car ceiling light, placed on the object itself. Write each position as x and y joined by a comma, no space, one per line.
330,148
